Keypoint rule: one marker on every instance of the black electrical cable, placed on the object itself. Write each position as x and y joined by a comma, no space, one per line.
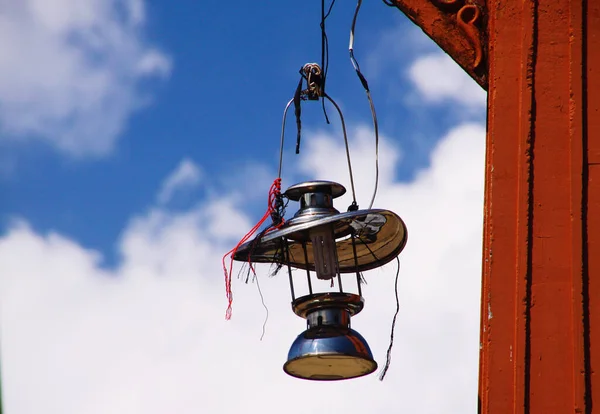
325,49
388,359
324,39
262,299
389,3
298,111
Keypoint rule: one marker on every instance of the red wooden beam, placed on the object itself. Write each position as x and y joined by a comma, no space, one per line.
540,330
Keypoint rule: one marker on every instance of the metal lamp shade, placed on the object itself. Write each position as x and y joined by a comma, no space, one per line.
380,235
377,235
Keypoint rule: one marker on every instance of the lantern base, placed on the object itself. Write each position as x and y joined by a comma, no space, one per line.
329,353
329,349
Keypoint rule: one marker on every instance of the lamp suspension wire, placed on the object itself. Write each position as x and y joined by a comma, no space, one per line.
365,85
313,88
282,137
354,205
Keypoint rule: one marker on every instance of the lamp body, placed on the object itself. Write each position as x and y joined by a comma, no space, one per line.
322,240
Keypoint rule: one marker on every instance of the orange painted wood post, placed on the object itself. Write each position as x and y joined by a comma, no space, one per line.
541,278
540,325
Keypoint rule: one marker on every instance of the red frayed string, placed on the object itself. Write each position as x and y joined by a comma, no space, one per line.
274,194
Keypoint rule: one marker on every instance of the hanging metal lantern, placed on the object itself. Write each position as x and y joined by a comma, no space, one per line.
322,240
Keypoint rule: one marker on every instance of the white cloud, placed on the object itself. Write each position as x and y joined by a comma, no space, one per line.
150,337
187,175
438,79
70,71
392,47
326,158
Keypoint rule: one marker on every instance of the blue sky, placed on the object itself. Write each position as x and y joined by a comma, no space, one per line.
233,69
106,105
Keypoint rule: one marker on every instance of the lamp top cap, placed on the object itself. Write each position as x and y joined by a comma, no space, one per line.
296,191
